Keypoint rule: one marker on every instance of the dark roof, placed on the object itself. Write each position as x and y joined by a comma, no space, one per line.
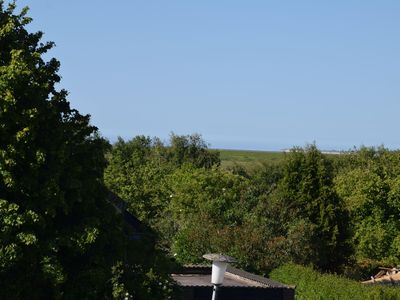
253,277
134,223
200,275
115,200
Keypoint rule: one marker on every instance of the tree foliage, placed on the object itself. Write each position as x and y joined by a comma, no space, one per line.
369,186
59,237
204,206
137,169
307,189
191,149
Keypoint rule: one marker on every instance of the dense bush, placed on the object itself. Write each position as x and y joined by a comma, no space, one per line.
311,284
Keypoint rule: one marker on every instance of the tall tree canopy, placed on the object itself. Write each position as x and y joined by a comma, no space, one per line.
59,237
137,169
307,189
369,184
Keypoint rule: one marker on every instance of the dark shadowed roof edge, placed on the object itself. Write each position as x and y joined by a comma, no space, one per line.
206,269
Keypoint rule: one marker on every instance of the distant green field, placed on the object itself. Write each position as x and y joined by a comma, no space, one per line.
248,159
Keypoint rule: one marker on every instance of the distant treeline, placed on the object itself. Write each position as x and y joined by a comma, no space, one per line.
336,213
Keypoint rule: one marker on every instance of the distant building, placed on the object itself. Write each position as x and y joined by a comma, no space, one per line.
330,152
195,283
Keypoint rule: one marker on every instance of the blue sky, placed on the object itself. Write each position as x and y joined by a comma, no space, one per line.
260,75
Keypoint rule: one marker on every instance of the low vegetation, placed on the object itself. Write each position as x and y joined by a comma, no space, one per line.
312,285
249,160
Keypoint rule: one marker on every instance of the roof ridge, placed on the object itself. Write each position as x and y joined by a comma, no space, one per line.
257,278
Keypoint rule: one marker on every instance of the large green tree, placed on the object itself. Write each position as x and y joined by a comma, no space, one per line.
307,192
137,169
59,237
369,184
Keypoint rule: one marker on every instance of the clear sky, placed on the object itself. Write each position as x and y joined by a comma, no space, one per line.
249,74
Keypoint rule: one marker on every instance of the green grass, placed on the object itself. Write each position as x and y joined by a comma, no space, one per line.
312,285
251,159
248,159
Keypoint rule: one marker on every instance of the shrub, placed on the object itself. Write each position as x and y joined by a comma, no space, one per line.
311,284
